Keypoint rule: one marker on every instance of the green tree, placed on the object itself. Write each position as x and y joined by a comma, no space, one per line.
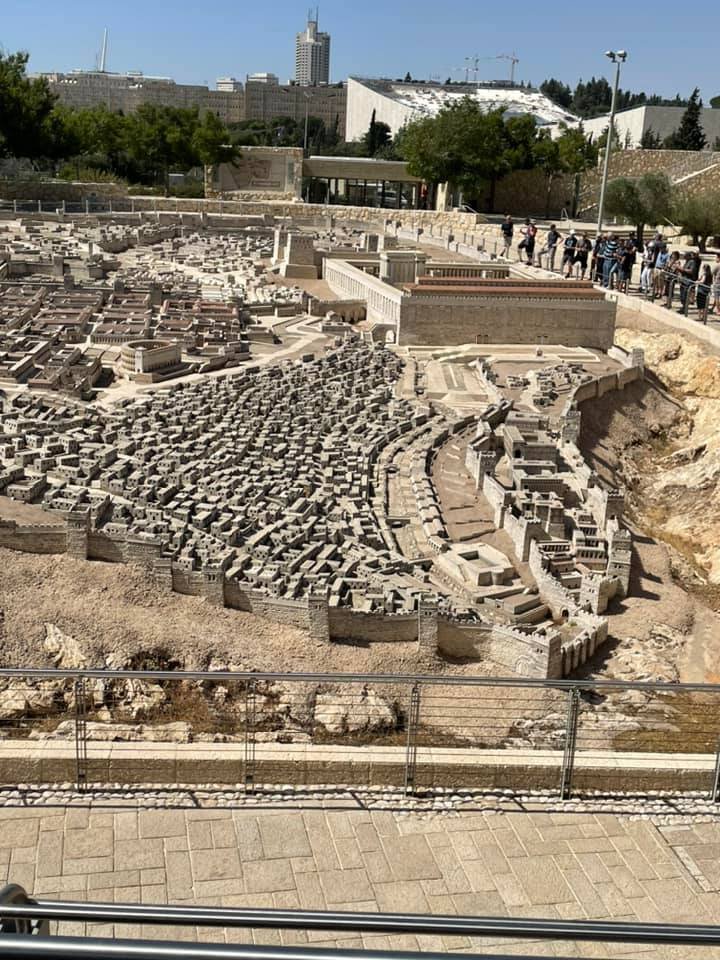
558,92
27,126
160,139
641,201
462,146
377,138
698,215
690,134
715,102
571,153
578,153
650,140
603,139
211,141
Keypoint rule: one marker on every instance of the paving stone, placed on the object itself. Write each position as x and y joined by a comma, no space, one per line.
139,854
89,843
215,864
247,834
542,881
19,833
199,835
411,858
223,834
401,897
345,886
480,903
161,823
284,836
367,837
349,854
267,876
674,897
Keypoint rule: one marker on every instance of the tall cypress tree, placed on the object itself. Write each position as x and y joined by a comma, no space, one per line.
689,135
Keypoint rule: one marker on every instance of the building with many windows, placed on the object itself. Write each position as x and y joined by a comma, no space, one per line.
127,91
312,55
268,99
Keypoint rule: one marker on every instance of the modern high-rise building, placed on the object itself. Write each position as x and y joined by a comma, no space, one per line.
312,54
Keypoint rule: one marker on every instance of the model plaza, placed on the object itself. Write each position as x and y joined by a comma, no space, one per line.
318,424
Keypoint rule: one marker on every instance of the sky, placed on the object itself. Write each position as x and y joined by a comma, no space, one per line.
198,42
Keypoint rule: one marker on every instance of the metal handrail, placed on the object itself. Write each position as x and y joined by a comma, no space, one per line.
22,907
79,948
40,673
418,924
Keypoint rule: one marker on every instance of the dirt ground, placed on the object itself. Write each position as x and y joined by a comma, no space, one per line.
665,629
117,616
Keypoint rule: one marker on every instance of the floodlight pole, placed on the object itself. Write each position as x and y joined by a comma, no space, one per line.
618,59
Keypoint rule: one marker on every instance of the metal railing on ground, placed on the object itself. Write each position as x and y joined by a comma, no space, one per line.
566,738
26,931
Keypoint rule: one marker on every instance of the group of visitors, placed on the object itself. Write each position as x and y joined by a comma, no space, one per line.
612,260
576,249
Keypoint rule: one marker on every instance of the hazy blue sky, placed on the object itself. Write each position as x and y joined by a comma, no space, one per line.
198,42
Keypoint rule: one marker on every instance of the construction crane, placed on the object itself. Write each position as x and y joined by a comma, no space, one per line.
472,64
513,61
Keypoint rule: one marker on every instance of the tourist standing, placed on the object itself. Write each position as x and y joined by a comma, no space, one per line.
689,275
626,256
551,242
610,263
596,265
659,270
582,252
508,228
716,283
649,258
569,254
527,244
703,290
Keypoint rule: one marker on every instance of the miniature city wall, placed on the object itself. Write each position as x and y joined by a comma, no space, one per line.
435,631
521,653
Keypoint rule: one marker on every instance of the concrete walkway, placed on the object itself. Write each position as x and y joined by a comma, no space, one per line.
550,865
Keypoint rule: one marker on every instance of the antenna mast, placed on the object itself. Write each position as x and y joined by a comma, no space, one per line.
103,55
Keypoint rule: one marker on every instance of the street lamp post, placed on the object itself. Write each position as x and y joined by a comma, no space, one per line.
618,57
307,112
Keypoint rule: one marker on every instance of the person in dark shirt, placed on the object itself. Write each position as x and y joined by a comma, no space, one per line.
596,266
703,291
527,244
689,274
508,228
626,256
551,242
582,252
569,247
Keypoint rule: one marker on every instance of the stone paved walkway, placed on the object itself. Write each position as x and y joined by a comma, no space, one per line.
514,864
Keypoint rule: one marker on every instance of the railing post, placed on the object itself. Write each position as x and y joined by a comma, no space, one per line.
14,895
570,740
413,721
715,791
250,713
81,771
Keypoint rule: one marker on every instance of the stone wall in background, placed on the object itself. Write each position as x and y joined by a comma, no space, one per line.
59,190
701,168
